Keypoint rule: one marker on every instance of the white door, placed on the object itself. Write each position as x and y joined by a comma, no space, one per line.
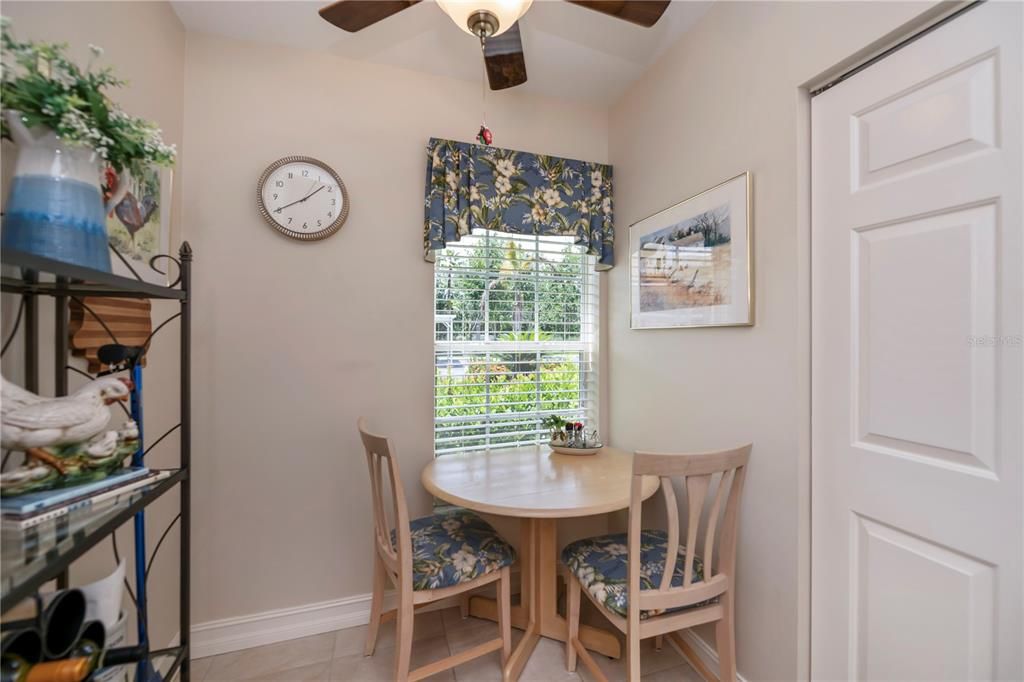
917,360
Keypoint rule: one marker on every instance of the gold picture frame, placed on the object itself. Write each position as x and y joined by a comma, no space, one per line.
689,266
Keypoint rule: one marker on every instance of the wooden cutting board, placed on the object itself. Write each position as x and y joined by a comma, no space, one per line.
129,319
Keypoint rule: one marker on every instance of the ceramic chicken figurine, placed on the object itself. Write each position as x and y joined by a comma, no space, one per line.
14,396
86,462
32,425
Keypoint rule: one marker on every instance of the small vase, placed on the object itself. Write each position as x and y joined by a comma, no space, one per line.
55,208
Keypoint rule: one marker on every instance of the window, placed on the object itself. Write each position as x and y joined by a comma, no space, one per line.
515,320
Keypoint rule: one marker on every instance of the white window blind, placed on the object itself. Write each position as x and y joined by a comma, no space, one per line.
515,320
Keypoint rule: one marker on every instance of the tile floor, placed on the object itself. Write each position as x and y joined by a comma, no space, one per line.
339,656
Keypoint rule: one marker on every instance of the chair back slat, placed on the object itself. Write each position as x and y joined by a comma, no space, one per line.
724,479
699,472
397,552
672,509
696,491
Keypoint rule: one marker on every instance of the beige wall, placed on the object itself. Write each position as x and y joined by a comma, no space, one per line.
723,100
295,340
145,43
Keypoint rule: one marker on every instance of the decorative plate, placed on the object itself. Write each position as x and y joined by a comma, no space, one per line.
564,450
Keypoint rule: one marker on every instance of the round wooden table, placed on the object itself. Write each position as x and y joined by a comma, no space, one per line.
538,486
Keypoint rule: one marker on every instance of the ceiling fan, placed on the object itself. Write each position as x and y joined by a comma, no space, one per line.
494,22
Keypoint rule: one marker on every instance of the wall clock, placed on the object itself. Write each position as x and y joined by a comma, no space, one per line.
302,198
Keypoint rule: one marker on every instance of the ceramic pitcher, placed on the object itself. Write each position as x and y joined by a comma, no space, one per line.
55,208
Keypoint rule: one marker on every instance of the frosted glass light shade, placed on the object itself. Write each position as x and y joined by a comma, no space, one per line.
507,11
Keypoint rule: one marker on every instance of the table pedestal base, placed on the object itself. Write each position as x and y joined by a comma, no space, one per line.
538,611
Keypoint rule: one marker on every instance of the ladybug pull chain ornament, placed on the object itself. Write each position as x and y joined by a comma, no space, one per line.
484,136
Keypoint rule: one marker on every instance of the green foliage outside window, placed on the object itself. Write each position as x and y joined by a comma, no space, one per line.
500,291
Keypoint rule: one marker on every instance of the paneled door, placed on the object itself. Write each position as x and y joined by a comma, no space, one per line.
917,366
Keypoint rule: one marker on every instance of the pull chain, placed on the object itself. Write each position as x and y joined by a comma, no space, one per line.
484,136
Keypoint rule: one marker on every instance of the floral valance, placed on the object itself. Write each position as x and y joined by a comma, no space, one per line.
476,187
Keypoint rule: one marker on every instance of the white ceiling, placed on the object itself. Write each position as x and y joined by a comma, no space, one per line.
570,51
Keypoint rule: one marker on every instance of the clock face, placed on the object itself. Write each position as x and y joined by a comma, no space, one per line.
302,198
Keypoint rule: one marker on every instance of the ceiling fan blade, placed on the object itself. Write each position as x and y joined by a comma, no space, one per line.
503,57
355,15
643,12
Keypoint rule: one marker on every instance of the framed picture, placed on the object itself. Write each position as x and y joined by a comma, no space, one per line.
139,227
690,265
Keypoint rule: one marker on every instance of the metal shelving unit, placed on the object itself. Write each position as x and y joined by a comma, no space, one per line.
24,574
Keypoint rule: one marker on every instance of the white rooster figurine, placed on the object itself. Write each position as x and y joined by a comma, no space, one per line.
31,422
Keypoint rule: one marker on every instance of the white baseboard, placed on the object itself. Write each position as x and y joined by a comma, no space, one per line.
706,652
244,632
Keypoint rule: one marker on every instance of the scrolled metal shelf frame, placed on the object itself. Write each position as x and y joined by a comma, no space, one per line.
73,283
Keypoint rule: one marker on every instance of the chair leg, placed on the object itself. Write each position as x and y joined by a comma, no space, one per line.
403,638
725,641
572,614
464,605
376,605
633,655
505,613
659,642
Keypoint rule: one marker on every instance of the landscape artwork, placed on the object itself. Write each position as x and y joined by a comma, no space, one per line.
690,263
687,264
138,227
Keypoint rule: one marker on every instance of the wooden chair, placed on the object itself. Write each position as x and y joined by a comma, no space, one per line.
656,595
423,572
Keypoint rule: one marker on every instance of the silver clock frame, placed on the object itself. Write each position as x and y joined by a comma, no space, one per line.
302,236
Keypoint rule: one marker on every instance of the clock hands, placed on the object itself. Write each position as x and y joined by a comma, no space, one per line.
281,208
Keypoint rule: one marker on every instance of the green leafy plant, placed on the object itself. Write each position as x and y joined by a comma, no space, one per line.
553,422
46,88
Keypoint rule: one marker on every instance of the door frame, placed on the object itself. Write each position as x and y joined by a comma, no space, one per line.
869,54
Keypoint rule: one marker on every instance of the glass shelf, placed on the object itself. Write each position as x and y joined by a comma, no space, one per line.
31,557
75,280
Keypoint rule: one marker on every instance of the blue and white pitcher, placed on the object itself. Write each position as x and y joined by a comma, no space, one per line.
55,208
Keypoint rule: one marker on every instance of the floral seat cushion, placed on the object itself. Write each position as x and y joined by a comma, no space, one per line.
601,564
453,547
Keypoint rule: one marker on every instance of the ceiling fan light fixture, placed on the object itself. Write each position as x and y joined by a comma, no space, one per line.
487,17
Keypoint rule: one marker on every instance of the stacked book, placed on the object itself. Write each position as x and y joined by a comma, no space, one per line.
35,523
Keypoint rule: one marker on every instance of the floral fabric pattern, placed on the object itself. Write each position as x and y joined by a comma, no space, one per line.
455,546
472,186
601,564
